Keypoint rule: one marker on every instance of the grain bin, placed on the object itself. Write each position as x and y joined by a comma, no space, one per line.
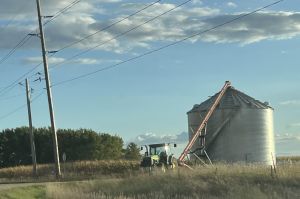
240,129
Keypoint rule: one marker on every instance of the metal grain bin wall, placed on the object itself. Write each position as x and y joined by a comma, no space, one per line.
240,129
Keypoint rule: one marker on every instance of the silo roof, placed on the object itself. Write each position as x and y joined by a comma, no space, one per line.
232,99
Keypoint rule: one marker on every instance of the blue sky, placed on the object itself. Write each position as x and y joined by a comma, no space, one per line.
151,95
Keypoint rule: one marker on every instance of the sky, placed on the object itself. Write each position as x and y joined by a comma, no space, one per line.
148,97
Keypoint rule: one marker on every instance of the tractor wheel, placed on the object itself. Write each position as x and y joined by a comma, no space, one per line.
163,168
173,162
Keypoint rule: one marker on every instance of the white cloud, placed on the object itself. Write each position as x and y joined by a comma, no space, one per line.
91,61
108,1
86,61
37,60
26,10
287,136
255,28
83,20
287,144
58,60
290,102
231,5
152,138
197,2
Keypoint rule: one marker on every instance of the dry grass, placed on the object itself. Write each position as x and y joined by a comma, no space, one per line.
126,181
71,171
288,159
219,181
89,170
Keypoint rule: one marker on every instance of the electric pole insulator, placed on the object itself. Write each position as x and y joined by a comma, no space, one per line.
52,51
49,16
34,34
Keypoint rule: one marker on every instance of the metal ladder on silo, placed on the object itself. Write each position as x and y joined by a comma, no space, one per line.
202,125
202,147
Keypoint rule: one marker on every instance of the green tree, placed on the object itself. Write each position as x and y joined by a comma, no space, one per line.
80,144
132,152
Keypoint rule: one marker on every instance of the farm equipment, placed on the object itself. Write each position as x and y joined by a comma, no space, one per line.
158,155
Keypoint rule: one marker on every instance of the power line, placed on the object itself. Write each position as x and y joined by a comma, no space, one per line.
121,34
147,53
28,37
13,50
166,46
101,30
15,16
65,9
23,41
84,38
8,88
11,97
107,27
12,112
20,107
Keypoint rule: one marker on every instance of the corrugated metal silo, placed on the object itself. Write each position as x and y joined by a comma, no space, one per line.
240,129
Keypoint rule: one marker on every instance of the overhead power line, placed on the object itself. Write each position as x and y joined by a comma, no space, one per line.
13,50
12,112
121,34
8,88
11,97
20,107
101,30
107,27
22,41
168,45
62,11
27,37
15,16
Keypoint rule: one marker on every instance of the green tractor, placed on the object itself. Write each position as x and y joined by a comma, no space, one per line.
158,155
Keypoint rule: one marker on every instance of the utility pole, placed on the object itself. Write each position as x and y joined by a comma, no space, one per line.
31,135
49,94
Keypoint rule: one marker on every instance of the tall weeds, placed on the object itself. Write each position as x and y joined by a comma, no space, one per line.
219,181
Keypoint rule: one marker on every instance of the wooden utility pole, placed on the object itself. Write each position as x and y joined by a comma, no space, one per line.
31,135
49,94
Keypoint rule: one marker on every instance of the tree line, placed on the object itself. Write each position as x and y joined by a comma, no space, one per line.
80,144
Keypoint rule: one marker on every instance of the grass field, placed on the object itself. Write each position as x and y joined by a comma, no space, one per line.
87,169
71,171
218,181
24,193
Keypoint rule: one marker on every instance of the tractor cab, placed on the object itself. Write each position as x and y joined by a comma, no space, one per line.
157,149
157,155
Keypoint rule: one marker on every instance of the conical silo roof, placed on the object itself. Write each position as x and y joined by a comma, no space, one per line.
232,98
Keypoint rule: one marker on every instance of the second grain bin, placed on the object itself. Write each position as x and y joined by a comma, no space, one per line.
240,129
